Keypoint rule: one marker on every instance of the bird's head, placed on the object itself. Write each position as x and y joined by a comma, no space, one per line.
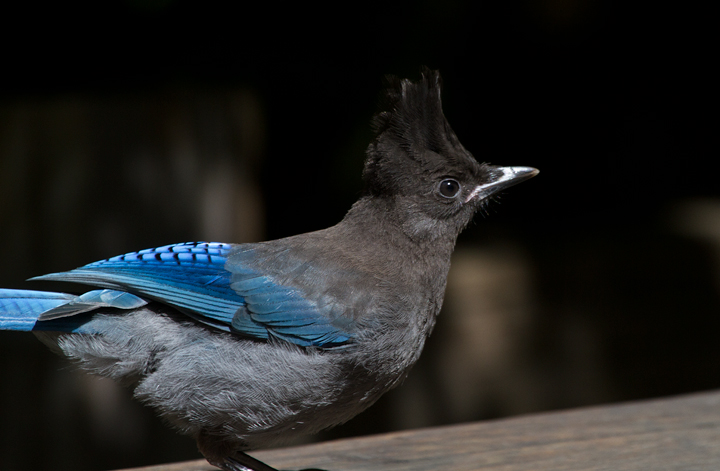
417,162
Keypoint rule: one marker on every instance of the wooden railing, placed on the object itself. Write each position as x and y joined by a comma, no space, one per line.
680,433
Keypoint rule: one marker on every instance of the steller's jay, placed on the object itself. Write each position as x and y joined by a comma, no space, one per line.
244,345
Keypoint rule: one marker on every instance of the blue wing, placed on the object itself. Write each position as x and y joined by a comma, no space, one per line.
192,277
286,313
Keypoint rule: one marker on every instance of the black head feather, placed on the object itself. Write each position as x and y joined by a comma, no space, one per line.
413,138
412,113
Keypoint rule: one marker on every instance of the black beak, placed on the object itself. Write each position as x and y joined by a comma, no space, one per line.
503,177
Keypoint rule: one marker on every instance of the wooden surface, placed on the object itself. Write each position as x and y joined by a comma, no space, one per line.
667,434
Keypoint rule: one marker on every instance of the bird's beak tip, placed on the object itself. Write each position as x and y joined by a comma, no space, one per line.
509,176
520,173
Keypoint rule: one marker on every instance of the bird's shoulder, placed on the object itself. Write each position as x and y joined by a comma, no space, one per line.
329,256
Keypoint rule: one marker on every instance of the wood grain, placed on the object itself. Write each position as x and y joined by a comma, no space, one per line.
680,433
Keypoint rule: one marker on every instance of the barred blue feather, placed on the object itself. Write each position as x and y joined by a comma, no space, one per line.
192,277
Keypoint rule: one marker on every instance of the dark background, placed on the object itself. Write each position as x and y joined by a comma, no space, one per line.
134,124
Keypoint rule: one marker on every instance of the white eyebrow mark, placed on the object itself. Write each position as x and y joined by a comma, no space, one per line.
508,177
474,193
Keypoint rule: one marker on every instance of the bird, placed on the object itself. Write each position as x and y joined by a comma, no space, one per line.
243,346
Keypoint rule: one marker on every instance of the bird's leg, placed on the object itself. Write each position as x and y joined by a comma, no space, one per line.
225,455
243,462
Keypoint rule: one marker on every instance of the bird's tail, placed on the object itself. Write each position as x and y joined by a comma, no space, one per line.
25,310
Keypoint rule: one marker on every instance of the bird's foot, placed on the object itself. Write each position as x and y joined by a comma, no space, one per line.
244,462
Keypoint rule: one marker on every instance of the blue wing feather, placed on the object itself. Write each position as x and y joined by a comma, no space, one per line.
19,309
187,276
41,310
193,278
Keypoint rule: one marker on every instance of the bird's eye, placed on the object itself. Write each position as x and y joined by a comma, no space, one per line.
449,188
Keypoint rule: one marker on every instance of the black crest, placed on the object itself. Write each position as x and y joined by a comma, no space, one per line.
412,134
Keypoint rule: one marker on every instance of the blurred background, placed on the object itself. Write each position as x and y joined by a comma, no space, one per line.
133,124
